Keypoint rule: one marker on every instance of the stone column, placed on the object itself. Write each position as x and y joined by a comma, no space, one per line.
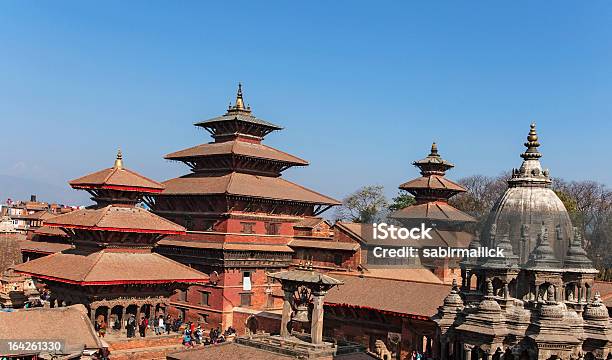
443,350
92,314
286,317
467,352
123,319
506,291
108,314
138,306
537,293
316,326
588,294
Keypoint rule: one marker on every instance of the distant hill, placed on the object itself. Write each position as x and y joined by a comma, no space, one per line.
17,188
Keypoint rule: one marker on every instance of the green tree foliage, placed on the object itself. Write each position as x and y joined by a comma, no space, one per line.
402,200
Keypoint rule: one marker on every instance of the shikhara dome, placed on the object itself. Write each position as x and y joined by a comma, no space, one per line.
528,208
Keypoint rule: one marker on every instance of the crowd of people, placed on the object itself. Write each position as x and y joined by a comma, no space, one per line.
192,333
195,335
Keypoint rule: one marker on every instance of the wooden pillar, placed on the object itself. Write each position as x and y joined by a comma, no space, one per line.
316,325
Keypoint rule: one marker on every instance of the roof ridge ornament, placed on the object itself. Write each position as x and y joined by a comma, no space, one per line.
239,100
434,150
238,106
119,160
531,173
532,144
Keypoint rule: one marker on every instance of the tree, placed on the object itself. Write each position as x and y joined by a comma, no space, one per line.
366,205
590,207
482,193
402,200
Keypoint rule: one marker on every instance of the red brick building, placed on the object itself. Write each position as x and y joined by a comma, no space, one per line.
243,219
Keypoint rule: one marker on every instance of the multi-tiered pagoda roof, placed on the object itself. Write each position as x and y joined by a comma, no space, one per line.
113,238
237,167
431,191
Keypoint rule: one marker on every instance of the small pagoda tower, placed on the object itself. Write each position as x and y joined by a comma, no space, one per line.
112,269
431,191
239,213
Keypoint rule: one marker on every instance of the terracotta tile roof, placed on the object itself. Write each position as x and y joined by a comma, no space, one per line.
50,231
435,210
116,218
460,239
238,117
70,324
605,290
309,223
419,274
38,215
227,351
239,148
241,184
432,182
116,178
324,244
79,267
396,296
44,247
351,227
225,246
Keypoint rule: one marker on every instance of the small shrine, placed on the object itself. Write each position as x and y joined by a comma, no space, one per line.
304,291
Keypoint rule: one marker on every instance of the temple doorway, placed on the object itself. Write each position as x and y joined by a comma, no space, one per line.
252,325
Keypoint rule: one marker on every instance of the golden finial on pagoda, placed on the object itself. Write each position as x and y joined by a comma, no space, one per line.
434,149
239,101
119,160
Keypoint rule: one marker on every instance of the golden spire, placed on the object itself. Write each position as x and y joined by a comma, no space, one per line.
119,160
239,101
434,149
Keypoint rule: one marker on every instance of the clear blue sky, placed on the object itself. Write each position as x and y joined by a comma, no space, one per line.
362,88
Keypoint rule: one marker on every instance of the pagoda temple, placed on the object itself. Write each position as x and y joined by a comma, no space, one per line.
239,212
112,269
432,191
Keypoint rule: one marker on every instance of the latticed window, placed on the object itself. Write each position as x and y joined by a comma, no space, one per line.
245,299
273,228
205,298
247,227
